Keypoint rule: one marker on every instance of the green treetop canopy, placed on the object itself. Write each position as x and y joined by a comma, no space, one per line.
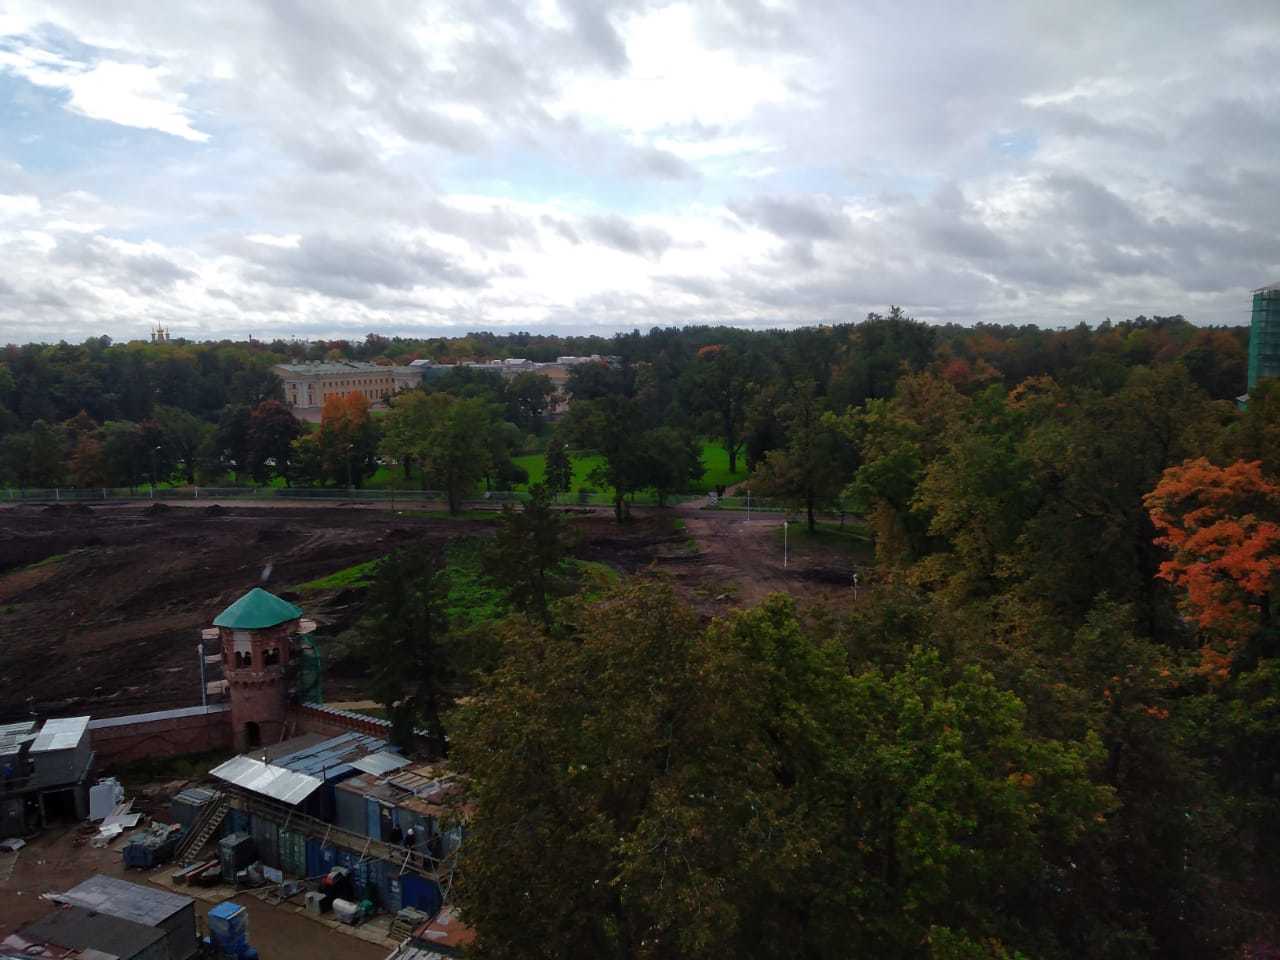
257,610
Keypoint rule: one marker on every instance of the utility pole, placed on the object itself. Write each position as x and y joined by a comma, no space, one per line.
204,687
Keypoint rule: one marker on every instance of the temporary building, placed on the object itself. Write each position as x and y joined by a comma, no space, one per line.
81,929
173,915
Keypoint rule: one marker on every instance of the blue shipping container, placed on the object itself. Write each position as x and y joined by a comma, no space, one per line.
420,893
320,859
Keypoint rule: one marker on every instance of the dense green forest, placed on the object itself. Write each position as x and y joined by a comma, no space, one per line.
1049,728
104,414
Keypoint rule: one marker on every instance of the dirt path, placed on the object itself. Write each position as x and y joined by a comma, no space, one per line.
746,556
740,551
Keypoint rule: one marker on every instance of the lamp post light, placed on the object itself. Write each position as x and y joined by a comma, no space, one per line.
855,586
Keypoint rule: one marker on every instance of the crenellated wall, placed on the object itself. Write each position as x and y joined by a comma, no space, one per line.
332,722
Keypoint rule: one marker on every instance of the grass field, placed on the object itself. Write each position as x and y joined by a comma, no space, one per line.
715,461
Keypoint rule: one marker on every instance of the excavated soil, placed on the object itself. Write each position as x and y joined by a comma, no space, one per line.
101,608
100,612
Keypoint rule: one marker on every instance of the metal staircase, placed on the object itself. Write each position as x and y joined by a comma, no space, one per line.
203,829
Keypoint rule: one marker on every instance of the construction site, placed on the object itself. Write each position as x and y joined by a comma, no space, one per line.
211,638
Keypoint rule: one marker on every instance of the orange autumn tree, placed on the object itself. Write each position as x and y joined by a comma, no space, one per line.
1219,525
347,438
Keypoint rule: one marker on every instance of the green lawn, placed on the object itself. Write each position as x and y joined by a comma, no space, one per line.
472,598
715,461
535,464
356,576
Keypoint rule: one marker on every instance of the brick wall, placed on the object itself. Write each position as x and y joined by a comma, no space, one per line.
165,736
332,722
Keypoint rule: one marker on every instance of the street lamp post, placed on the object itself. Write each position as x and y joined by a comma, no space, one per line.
784,544
855,586
154,471
350,447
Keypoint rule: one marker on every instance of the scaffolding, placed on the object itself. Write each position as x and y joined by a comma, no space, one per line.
1264,335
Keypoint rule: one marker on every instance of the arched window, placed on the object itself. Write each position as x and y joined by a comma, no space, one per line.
252,735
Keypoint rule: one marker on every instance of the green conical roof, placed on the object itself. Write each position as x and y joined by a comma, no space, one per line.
257,610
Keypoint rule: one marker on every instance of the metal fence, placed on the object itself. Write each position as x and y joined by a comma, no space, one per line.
493,498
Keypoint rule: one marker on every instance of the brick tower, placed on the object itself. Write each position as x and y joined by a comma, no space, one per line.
257,633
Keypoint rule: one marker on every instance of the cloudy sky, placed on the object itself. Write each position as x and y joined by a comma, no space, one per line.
314,168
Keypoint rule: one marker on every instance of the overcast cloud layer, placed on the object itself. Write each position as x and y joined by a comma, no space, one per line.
316,168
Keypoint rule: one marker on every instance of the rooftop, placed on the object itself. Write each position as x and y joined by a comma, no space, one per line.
446,930
63,734
1271,288
330,368
384,761
81,928
329,758
257,610
128,901
16,945
267,779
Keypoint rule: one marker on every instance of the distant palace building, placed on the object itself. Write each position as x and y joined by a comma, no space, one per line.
307,385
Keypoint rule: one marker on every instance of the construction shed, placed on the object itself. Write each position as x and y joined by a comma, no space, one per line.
44,773
80,929
173,916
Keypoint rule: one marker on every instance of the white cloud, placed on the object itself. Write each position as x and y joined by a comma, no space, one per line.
471,163
675,79
13,206
288,241
130,94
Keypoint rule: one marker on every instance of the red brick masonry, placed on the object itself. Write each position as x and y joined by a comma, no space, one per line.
168,733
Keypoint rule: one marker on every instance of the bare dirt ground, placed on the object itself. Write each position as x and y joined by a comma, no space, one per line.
101,607
109,625
59,858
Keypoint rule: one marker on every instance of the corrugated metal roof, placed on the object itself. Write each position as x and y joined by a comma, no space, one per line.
269,780
257,610
63,734
158,715
331,758
129,901
382,762
197,795
14,735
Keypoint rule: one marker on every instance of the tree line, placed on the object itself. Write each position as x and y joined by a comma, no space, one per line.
1048,728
